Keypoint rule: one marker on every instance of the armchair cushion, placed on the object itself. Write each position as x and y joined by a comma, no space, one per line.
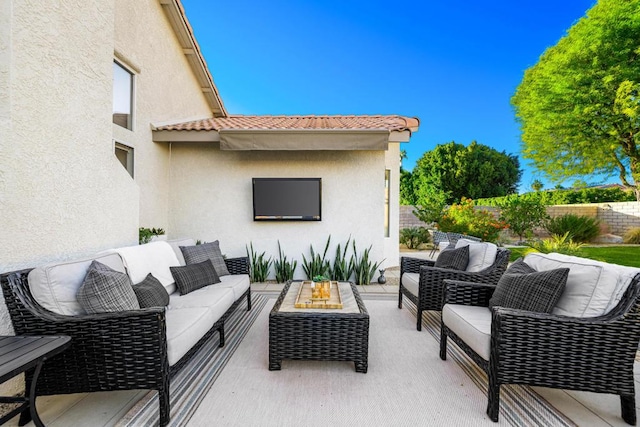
194,276
523,288
481,254
106,290
154,258
411,281
593,287
472,324
456,259
206,251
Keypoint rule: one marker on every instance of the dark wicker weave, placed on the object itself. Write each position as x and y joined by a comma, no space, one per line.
109,351
431,287
593,354
325,335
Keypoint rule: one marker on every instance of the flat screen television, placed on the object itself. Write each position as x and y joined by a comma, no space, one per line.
287,199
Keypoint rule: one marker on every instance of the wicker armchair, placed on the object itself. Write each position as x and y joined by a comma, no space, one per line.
431,286
109,351
590,354
438,237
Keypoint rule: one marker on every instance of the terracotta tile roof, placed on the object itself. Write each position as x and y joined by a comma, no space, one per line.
391,123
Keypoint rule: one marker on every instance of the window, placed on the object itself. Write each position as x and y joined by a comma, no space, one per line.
387,197
122,96
125,155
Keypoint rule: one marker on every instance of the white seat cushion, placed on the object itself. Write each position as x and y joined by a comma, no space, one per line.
54,286
593,287
154,258
411,281
472,324
215,298
239,283
481,254
185,327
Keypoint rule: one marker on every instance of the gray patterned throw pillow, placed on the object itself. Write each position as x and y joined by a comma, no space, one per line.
523,288
455,259
198,253
194,276
151,293
106,290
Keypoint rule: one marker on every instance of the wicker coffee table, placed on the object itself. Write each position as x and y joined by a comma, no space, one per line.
319,334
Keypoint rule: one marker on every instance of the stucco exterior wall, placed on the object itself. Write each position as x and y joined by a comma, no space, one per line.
211,198
165,90
391,245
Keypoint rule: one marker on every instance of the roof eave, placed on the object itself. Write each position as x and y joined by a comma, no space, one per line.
181,27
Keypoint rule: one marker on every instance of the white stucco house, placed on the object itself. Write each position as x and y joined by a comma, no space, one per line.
110,121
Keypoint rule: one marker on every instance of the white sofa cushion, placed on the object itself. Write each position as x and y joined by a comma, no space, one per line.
54,286
175,245
481,254
185,327
214,297
411,281
154,258
238,283
472,324
593,287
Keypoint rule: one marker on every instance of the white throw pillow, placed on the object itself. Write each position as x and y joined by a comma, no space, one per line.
154,258
481,254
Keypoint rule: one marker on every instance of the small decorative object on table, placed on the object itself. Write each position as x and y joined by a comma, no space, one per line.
318,295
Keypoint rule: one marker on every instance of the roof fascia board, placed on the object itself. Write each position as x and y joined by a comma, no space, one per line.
186,136
178,20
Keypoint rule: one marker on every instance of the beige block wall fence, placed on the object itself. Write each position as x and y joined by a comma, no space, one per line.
617,217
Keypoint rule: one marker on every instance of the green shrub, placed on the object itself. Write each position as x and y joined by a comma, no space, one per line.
342,268
283,267
579,228
556,243
522,215
316,265
258,266
567,197
463,218
413,237
632,236
363,267
146,234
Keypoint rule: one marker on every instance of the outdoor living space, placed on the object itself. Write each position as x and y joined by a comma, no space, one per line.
406,384
302,241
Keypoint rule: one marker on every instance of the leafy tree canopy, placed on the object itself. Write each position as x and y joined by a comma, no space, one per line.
579,106
454,171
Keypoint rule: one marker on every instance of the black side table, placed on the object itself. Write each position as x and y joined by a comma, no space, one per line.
18,354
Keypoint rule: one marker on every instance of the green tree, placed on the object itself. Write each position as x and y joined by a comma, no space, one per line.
406,188
475,171
537,185
523,214
579,106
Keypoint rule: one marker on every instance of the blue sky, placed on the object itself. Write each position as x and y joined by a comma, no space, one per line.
453,64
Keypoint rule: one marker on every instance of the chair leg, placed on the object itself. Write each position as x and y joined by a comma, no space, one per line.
400,297
249,300
493,407
443,342
221,332
628,404
419,324
165,406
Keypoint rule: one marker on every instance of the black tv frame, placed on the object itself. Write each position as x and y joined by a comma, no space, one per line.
287,217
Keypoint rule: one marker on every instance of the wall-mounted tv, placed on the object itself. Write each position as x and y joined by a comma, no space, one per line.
287,199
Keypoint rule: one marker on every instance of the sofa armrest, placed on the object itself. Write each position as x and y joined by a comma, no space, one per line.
238,265
412,265
467,293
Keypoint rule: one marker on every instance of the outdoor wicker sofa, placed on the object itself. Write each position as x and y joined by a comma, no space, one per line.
431,280
123,350
594,353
